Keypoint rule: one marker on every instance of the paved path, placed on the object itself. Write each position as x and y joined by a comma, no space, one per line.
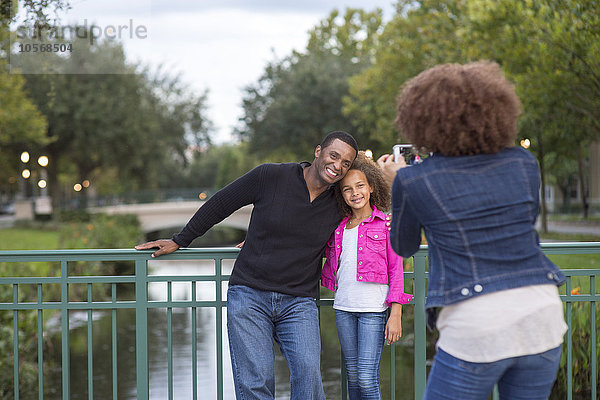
6,221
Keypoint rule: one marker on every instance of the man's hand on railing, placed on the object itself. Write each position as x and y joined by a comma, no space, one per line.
165,246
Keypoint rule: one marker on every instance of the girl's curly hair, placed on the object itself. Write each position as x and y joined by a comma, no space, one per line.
381,196
459,110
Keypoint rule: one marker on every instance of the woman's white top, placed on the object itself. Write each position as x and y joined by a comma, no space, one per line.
352,295
504,324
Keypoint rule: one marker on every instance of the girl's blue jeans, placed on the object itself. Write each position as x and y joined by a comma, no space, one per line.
361,337
519,378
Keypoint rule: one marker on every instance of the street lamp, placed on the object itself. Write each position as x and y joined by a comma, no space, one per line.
43,161
25,174
42,183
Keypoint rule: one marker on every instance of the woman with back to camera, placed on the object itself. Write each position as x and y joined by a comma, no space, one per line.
500,316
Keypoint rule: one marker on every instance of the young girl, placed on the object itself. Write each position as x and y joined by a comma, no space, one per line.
366,275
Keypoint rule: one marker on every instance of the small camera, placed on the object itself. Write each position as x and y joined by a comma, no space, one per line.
410,154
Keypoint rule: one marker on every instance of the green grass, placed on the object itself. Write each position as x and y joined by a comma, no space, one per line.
28,239
569,237
592,219
574,261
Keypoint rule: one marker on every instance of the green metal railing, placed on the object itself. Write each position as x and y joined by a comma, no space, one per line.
142,304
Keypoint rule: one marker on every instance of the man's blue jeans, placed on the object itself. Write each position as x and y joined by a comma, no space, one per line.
519,378
362,338
254,319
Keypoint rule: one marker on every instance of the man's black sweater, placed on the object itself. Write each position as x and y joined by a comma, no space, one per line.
287,233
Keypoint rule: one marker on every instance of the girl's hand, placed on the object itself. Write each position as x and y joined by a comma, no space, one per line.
393,328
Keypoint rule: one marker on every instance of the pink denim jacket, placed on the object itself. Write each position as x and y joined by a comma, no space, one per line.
377,262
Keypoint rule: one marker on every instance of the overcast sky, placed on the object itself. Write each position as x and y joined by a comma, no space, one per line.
220,45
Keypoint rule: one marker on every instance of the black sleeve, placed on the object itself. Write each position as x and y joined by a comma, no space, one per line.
239,193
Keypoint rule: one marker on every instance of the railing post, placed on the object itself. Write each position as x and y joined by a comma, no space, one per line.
40,343
569,340
420,331
16,341
64,299
393,372
593,340
219,325
141,328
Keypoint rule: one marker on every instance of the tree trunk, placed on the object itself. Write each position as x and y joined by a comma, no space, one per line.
84,173
540,154
582,186
53,185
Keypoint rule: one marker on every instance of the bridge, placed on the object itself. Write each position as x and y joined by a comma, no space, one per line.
157,216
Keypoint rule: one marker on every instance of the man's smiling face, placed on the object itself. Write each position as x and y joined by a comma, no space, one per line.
332,162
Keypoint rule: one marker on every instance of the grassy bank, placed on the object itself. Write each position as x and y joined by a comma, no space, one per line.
29,239
87,231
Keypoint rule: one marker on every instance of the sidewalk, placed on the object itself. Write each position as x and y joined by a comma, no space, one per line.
7,221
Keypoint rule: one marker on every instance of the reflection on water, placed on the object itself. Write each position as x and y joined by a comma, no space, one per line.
182,348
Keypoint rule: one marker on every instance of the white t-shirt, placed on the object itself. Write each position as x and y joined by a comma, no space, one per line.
352,295
509,323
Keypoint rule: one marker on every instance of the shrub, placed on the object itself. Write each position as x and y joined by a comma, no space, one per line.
581,353
101,231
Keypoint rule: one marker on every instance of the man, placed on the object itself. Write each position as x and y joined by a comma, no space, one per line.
274,282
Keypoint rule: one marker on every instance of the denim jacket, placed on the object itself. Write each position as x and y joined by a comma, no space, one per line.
376,260
478,213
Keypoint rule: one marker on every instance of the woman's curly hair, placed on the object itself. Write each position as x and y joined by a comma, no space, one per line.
381,196
459,110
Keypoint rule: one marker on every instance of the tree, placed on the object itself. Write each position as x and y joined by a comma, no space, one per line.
299,98
21,124
135,122
420,35
551,50
37,11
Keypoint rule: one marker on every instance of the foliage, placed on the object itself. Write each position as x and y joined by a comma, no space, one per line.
101,232
549,48
21,125
38,11
20,122
421,35
581,350
216,166
95,231
299,99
